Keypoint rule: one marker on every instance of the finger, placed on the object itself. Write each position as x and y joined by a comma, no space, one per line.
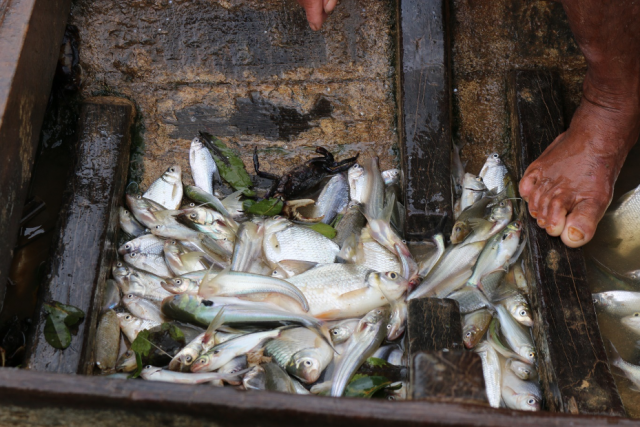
581,223
329,5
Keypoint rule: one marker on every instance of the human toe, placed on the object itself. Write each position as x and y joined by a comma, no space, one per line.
528,183
581,223
555,215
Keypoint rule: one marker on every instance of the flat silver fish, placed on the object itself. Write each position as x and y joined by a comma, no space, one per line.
129,224
333,199
203,167
167,190
493,173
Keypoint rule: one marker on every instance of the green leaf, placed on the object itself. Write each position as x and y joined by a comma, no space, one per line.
230,165
366,387
174,331
136,373
336,220
374,361
267,207
324,229
141,345
56,332
73,314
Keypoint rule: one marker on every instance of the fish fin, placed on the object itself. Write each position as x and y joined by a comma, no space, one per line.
503,292
517,253
388,208
275,244
354,294
348,252
208,286
231,198
209,335
297,266
479,223
193,257
327,315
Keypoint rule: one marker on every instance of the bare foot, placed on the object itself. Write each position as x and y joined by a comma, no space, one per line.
317,11
570,186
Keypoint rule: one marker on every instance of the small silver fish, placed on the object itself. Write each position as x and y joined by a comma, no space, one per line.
203,167
519,394
150,263
111,297
152,373
131,325
632,372
147,243
356,176
353,221
474,326
343,330
493,173
391,176
618,303
129,224
167,190
333,199
497,253
492,372
518,338
632,322
472,190
143,309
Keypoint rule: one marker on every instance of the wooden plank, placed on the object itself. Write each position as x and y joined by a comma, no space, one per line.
424,114
433,324
41,398
30,36
85,249
454,376
576,376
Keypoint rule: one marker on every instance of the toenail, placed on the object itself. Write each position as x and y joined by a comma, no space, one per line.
575,235
534,214
542,223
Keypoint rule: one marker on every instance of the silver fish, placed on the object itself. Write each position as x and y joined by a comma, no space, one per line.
518,307
127,362
333,199
139,283
484,229
343,330
234,283
152,373
451,273
391,176
633,275
189,353
524,371
457,171
340,291
150,263
518,338
519,394
203,167
234,205
129,224
618,303
284,240
147,243
301,352
235,366
356,177
632,372
132,325
492,372
247,254
111,297
497,253
366,339
470,299
493,173
398,320
181,285
472,190
474,326
223,353
632,322
276,379
353,221
167,190
148,212
371,254
255,379
182,262
143,309
621,224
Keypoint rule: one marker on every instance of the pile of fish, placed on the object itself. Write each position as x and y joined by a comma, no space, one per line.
480,270
299,301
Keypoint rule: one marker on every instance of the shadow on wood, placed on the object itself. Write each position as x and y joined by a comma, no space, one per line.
574,371
85,246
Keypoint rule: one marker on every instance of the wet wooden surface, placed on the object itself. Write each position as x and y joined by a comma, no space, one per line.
37,398
433,324
574,371
30,36
424,114
86,238
454,376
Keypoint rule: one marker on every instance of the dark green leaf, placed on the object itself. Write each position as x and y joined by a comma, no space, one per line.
74,314
324,229
374,361
267,207
56,332
230,165
174,332
246,205
366,387
136,373
336,220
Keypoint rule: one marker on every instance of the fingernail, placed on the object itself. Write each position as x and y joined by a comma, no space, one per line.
542,223
534,214
575,235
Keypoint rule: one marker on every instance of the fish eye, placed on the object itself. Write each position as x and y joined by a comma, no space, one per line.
178,282
469,334
192,204
532,354
389,326
132,254
502,204
307,363
393,275
378,311
188,359
202,361
148,366
127,246
457,229
504,236
119,264
404,242
636,314
531,401
139,197
173,242
127,317
495,156
130,296
194,215
207,303
335,332
172,169
523,312
216,351
157,227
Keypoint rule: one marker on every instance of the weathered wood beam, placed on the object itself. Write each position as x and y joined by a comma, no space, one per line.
424,103
575,374
433,324
30,35
84,250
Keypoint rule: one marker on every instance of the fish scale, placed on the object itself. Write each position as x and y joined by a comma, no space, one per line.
147,243
375,256
299,243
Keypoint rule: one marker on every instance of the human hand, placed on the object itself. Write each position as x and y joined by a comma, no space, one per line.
317,11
